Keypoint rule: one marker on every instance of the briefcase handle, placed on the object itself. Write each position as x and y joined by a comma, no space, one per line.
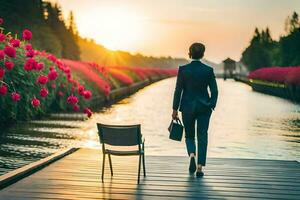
174,120
178,121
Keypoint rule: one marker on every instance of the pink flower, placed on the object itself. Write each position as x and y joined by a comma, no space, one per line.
72,100
2,54
2,72
9,65
39,66
15,42
60,94
106,90
85,110
53,86
76,107
15,96
28,47
87,94
2,37
29,54
51,58
1,21
88,112
27,35
35,102
69,76
67,70
3,90
10,51
52,75
42,79
30,64
81,89
44,92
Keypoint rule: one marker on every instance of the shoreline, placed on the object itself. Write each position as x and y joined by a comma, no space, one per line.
123,92
289,92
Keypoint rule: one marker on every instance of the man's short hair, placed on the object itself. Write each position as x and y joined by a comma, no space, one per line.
197,50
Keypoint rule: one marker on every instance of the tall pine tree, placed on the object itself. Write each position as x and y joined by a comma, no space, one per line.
67,39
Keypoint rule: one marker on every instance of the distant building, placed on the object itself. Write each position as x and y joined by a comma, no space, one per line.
229,68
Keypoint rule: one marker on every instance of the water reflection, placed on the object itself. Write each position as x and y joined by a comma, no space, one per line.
245,124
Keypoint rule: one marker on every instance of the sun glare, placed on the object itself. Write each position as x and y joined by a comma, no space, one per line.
121,29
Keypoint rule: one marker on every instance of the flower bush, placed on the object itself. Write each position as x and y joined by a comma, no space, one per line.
283,75
106,77
88,73
28,80
33,83
121,76
293,77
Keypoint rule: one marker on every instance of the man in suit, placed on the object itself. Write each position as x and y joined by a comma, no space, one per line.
193,100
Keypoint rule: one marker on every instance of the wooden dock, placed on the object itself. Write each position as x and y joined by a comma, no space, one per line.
78,176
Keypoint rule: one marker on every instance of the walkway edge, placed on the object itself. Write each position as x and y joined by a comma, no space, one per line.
20,173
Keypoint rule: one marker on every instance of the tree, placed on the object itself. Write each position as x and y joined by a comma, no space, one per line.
70,48
256,38
292,23
290,48
259,53
290,44
266,37
72,25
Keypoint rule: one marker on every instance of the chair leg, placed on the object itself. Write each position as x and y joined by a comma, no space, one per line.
110,164
103,166
139,169
144,166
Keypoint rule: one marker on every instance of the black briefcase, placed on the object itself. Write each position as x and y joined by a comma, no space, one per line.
176,130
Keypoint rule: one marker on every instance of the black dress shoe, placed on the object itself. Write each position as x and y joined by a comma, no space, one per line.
192,167
199,174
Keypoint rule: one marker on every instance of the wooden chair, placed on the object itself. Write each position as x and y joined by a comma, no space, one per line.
119,135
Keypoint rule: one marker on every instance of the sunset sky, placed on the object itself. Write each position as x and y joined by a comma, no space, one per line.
168,27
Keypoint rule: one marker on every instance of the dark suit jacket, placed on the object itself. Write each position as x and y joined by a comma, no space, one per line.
191,92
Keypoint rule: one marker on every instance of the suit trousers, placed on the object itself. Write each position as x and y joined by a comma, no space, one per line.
189,122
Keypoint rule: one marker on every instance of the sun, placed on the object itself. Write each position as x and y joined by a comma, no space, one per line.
119,29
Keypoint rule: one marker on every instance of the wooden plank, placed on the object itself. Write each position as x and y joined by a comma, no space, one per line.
155,193
77,176
227,186
22,172
209,175
194,187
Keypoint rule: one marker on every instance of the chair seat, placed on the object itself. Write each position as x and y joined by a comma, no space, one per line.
124,153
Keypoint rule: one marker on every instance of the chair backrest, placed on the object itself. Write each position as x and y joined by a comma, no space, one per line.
118,135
